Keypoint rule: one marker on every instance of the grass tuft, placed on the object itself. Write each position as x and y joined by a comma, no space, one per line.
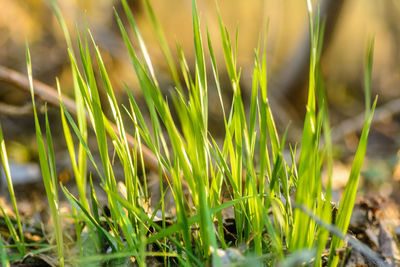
276,225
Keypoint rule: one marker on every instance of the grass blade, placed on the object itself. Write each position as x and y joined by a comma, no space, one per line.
48,178
4,159
3,254
348,198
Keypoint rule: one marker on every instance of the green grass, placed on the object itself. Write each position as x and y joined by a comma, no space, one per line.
249,161
18,239
47,166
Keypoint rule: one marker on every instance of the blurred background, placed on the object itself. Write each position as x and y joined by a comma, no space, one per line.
349,26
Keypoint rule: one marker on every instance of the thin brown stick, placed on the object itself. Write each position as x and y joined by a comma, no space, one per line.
13,110
356,123
50,95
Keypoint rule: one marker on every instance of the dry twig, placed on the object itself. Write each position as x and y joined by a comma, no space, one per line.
13,110
356,123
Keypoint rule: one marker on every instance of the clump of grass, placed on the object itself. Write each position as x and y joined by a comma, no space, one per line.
261,193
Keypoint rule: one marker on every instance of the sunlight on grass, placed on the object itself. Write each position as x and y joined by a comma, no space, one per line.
280,206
